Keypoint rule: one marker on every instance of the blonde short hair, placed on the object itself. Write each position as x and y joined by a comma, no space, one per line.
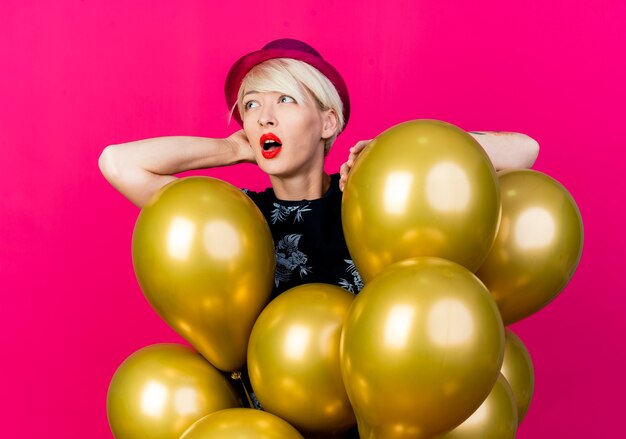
295,78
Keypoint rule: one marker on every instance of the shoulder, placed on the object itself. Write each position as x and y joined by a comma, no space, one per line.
262,198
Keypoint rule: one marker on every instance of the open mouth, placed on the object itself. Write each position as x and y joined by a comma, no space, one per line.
270,145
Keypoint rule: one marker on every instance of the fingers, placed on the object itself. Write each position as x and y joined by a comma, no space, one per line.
242,135
350,162
347,166
343,173
356,149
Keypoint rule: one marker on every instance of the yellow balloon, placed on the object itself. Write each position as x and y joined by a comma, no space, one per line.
421,349
241,424
496,418
538,245
160,390
421,188
204,257
293,358
518,370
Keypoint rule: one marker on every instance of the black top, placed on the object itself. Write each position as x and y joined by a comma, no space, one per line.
310,247
308,235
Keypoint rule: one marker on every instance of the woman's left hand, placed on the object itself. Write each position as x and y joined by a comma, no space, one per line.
347,166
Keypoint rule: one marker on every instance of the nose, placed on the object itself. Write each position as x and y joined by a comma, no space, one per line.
267,117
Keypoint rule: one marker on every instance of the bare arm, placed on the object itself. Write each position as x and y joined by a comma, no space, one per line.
139,169
505,150
508,150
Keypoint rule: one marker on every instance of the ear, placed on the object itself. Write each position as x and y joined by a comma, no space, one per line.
330,123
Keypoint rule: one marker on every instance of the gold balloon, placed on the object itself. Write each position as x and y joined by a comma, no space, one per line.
293,358
518,370
241,424
421,349
204,257
160,390
496,418
537,247
421,188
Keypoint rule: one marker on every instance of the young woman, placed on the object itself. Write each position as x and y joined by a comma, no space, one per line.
292,105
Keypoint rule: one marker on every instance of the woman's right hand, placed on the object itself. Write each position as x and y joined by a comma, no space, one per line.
242,146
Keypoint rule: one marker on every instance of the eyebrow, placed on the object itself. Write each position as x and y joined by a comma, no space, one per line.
250,92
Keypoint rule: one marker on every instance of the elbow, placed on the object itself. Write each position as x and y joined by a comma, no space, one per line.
523,154
108,164
532,152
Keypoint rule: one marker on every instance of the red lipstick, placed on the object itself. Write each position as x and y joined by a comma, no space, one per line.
270,145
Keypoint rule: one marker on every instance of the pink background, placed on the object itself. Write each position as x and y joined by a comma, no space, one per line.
76,76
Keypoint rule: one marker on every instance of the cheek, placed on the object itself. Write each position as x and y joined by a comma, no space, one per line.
311,125
247,122
250,119
248,127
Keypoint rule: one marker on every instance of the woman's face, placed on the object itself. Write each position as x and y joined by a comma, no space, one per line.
287,136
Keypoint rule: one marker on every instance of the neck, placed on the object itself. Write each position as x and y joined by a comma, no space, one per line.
301,187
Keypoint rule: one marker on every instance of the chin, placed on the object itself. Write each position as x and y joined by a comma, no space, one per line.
274,168
284,167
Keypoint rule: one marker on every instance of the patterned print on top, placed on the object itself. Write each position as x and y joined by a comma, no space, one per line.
280,213
289,258
309,241
356,284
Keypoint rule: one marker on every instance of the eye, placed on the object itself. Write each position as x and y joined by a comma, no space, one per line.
250,105
284,99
